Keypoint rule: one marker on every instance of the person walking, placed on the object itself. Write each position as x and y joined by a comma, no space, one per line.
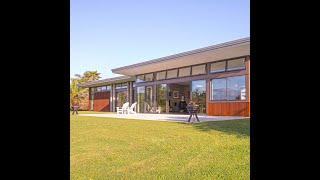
193,110
75,107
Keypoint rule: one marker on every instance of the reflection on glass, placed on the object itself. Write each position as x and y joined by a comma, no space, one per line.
218,89
236,88
161,75
149,77
218,67
172,73
236,64
231,88
148,100
121,98
140,78
184,71
162,96
199,94
200,69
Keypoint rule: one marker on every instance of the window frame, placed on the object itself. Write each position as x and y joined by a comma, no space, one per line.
184,68
148,74
226,79
121,86
143,79
165,76
171,70
205,69
219,71
239,68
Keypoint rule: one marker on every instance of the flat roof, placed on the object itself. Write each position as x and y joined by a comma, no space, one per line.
227,50
107,81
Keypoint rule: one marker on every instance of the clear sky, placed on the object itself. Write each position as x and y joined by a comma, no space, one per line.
108,34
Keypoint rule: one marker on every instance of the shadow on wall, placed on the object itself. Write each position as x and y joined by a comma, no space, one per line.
233,127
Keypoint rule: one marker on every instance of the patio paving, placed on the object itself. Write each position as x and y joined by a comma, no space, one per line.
165,117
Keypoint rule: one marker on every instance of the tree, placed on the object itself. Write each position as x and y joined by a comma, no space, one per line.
90,76
78,94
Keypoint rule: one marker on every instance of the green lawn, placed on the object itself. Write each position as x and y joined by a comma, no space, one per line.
106,148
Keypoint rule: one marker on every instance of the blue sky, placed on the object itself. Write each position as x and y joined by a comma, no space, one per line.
109,34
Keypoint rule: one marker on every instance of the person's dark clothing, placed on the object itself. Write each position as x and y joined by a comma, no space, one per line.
75,109
193,111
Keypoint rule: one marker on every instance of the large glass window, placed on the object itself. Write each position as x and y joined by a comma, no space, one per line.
121,85
121,98
140,98
162,96
184,71
236,88
172,73
108,88
200,69
99,89
218,67
218,89
148,77
103,88
148,99
230,88
236,64
199,94
161,75
124,85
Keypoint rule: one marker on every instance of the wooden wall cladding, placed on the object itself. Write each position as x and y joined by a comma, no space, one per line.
229,109
101,101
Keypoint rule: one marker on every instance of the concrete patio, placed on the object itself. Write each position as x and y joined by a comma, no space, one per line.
165,117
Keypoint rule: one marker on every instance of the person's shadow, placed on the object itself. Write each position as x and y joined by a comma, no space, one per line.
235,127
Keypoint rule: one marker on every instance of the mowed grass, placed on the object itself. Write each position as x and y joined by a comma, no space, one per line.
106,148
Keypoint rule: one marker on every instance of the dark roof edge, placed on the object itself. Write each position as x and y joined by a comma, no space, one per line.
108,80
208,48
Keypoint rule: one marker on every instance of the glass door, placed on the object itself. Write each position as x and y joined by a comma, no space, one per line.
162,97
199,94
140,98
121,98
148,100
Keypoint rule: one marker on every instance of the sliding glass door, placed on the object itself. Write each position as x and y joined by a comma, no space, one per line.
121,98
162,97
144,99
149,99
140,98
199,94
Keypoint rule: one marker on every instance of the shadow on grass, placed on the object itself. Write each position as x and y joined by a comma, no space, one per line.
235,127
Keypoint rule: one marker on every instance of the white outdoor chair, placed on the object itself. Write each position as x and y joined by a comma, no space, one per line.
123,109
155,110
132,109
158,110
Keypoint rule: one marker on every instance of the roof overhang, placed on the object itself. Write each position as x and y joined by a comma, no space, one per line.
237,48
108,81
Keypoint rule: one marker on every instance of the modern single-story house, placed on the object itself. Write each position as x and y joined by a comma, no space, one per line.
217,78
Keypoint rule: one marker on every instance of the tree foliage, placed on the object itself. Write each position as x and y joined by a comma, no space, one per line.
78,94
